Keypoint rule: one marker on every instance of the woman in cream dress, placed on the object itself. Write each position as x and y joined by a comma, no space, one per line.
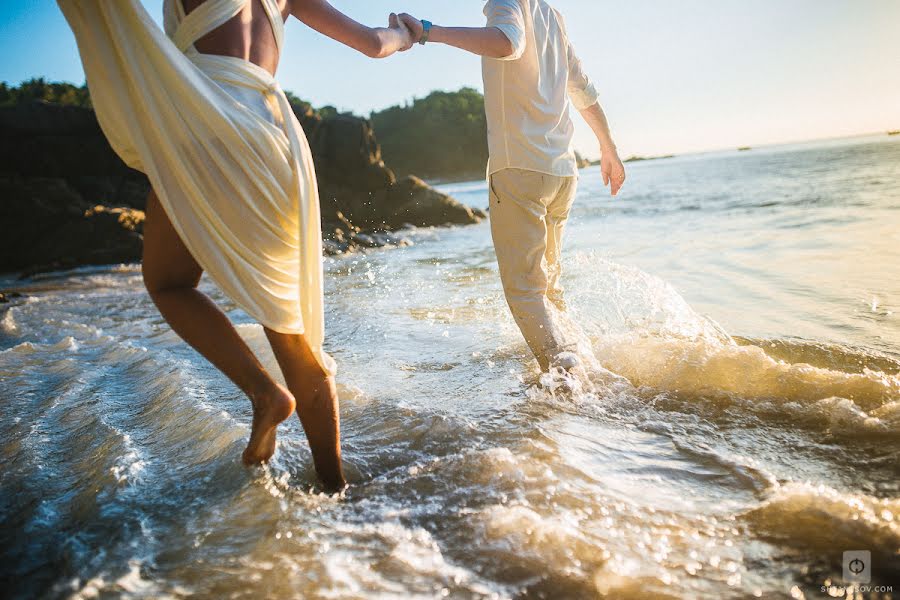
198,110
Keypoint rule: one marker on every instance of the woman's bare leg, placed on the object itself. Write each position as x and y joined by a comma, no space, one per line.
317,404
171,276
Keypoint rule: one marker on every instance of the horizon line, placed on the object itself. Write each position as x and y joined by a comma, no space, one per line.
885,133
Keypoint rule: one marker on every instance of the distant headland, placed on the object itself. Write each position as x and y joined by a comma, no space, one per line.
632,159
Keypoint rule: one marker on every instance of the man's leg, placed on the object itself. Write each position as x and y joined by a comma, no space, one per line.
171,276
557,217
518,226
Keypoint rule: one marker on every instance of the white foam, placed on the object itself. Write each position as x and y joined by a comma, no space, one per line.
131,583
821,518
8,323
644,330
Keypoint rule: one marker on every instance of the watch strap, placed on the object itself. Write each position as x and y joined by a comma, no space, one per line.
426,31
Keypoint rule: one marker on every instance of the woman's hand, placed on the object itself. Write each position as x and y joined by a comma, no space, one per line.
377,42
402,30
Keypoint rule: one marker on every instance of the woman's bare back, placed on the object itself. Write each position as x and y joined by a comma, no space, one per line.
248,35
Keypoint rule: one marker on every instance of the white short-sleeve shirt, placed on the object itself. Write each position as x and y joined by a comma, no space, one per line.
527,94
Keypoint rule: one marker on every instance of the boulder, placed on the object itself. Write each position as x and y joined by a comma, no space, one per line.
44,225
40,139
347,154
66,199
412,202
115,236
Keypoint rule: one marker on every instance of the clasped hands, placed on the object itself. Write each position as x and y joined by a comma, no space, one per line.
408,27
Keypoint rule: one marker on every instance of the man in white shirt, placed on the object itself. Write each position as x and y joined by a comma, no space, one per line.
531,76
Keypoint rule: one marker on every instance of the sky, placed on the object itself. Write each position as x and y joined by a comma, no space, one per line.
674,76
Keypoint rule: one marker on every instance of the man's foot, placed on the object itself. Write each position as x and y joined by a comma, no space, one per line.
269,410
565,374
567,361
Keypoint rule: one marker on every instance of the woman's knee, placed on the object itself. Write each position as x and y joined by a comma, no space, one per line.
158,280
293,352
167,264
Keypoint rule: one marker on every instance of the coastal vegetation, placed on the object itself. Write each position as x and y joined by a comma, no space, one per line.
440,136
40,89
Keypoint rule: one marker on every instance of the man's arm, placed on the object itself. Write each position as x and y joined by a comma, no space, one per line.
375,42
584,96
610,165
503,38
483,41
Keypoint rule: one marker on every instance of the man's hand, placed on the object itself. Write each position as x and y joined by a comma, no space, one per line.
405,33
414,25
613,170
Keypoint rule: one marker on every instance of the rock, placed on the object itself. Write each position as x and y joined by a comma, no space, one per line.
55,166
412,202
346,153
7,297
112,190
48,140
582,162
66,199
31,211
409,201
114,234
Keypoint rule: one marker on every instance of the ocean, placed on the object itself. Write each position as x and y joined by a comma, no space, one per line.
741,432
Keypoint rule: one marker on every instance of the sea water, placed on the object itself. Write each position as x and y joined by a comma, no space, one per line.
745,304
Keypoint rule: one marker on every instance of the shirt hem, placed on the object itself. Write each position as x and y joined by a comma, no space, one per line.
492,170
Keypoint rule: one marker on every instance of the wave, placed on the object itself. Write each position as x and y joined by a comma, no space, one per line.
640,328
130,584
820,519
728,374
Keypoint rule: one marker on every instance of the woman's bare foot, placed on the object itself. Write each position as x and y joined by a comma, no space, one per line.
318,411
269,410
317,403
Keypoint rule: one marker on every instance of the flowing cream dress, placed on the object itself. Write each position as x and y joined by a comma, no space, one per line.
222,149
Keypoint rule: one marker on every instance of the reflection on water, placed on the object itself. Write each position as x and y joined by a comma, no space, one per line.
749,301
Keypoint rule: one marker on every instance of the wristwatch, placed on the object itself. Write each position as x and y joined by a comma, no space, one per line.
426,29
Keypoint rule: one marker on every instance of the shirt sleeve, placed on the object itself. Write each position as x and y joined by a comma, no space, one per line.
507,16
580,88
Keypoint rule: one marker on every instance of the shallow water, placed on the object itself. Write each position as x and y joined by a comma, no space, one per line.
748,299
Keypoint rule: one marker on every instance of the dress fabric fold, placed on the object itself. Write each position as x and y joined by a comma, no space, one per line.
222,148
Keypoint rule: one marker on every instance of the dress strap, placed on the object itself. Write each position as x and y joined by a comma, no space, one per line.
185,29
203,19
274,14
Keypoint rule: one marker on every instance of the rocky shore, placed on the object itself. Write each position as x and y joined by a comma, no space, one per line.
67,200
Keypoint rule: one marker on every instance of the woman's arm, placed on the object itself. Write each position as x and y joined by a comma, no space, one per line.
375,42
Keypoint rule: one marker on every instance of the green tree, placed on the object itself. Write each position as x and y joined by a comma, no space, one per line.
443,135
40,89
